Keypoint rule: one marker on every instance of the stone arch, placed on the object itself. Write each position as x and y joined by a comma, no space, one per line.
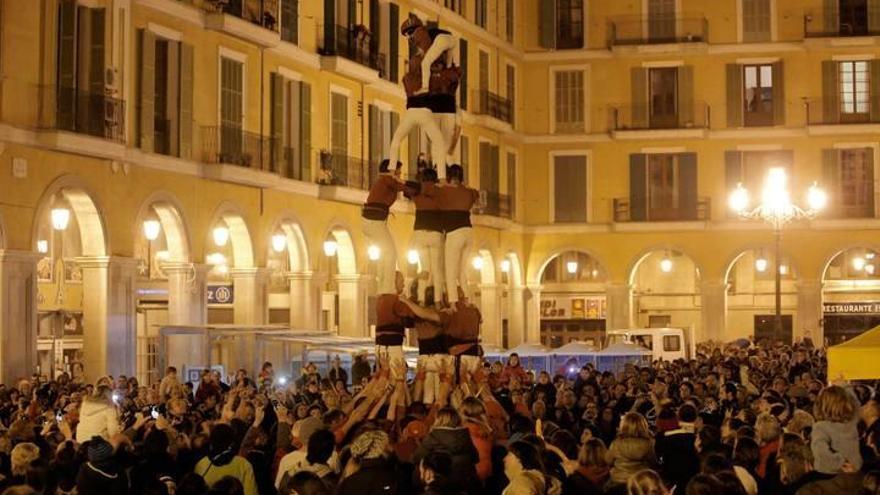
346,254
487,272
84,209
515,274
831,256
239,235
647,252
165,208
744,250
297,247
538,275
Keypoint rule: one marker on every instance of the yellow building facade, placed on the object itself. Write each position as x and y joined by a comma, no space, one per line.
605,137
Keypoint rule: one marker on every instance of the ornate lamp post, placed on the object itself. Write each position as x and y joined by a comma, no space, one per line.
777,209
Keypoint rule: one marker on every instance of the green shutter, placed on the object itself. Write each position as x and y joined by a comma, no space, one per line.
686,96
147,90
305,129
464,144
495,154
873,16
638,187
830,93
639,83
547,20
734,95
875,90
395,122
66,46
186,100
96,52
172,100
277,84
375,146
511,183
831,178
869,178
375,24
330,27
290,20
463,83
779,93
831,16
351,20
687,185
393,41
733,173
569,194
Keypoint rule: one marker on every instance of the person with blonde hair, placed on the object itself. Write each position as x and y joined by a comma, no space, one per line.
476,421
835,436
646,482
633,449
21,458
592,470
799,423
767,431
98,415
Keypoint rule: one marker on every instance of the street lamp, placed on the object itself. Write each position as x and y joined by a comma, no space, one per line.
279,242
477,262
505,266
330,247
373,252
412,256
221,235
777,209
571,267
152,228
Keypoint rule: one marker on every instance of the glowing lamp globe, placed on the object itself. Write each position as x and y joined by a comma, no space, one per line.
477,262
666,265
412,256
373,252
279,242
221,236
60,218
571,267
761,264
330,247
152,229
505,266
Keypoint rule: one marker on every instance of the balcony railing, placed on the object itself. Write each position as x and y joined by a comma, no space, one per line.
494,204
347,171
84,112
822,23
234,146
646,30
701,211
162,136
263,13
488,103
353,44
287,163
634,117
828,112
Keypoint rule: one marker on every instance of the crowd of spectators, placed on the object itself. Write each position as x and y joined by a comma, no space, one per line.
737,420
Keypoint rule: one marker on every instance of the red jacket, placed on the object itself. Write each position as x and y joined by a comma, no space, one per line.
482,440
517,372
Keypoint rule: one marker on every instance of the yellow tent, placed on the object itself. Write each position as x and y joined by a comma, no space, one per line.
856,359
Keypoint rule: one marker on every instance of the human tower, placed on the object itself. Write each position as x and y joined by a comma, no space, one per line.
448,325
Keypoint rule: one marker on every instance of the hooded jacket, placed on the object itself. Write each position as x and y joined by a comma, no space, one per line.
457,443
97,418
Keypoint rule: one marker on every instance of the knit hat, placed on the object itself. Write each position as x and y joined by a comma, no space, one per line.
99,450
370,445
308,426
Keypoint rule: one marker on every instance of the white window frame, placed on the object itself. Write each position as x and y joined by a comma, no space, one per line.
774,30
240,57
552,93
551,156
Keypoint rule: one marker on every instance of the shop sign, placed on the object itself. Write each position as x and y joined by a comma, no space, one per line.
221,294
852,308
573,308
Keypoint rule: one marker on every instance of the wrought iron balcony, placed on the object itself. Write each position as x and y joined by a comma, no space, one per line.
488,103
264,13
234,146
353,43
652,30
83,112
834,112
347,171
623,212
287,163
831,23
639,117
494,204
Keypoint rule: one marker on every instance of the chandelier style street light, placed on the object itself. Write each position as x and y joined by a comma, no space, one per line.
777,209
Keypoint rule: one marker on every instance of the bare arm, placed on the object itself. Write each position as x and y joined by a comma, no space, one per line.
423,313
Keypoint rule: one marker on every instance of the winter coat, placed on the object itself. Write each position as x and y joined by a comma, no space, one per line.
627,456
517,372
104,479
374,477
834,444
678,456
586,481
97,418
842,483
239,468
482,441
457,443
528,482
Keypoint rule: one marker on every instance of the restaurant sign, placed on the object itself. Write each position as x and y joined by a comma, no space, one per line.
852,308
573,307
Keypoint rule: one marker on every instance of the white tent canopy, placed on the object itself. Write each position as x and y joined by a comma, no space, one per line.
528,349
575,348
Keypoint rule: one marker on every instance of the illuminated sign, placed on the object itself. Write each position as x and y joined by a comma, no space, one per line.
852,308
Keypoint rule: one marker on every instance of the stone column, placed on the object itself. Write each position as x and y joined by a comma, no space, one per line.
713,311
18,314
618,297
490,308
533,314
305,301
516,316
352,306
109,321
187,305
809,311
250,308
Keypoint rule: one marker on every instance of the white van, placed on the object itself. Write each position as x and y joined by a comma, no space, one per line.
667,344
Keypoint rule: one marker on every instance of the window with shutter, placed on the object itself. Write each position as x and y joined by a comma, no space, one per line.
661,21
509,10
484,81
511,183
231,107
304,168
855,183
339,125
854,78
511,90
464,145
569,104
481,11
569,24
570,189
463,82
758,94
756,20
290,21
393,42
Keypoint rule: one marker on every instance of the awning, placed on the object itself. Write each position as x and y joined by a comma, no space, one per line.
856,359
